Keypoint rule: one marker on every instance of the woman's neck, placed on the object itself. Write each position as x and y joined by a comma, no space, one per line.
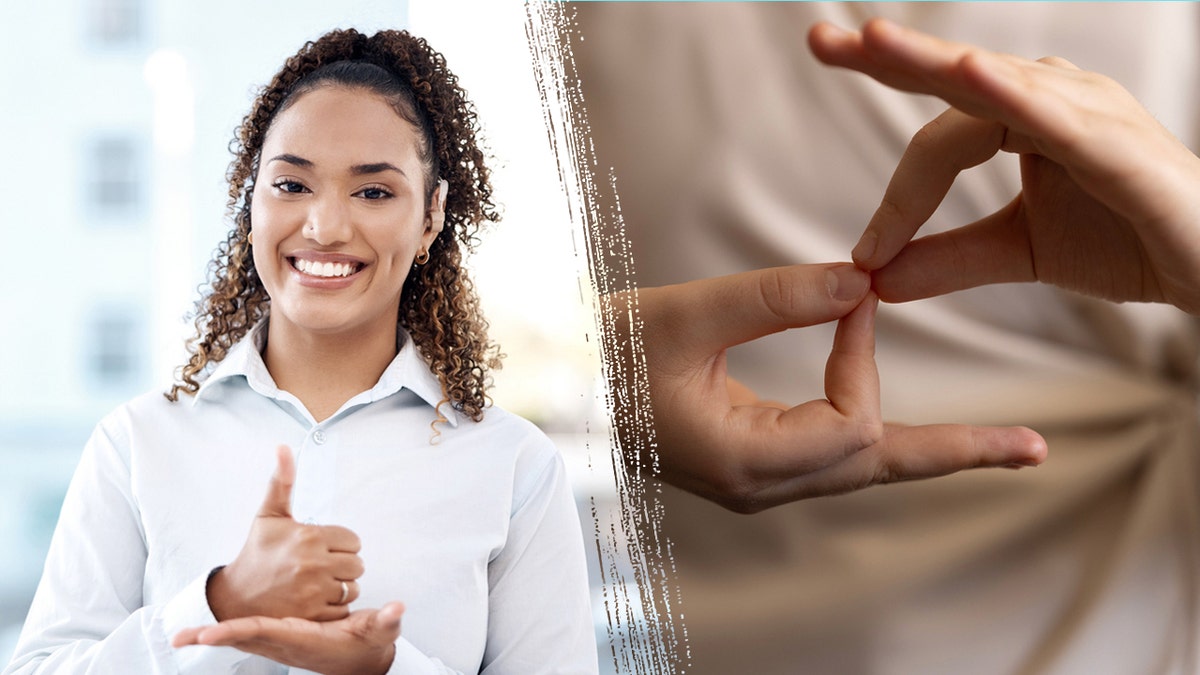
325,371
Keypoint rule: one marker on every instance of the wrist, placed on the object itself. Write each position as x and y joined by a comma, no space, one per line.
216,592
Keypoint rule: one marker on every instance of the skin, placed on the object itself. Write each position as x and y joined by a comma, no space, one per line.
311,200
1108,205
716,438
363,642
287,568
341,181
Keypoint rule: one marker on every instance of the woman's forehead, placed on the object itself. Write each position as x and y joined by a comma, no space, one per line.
343,126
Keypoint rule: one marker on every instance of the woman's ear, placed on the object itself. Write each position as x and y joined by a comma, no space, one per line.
436,214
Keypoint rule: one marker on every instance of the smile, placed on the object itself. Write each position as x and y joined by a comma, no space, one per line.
325,270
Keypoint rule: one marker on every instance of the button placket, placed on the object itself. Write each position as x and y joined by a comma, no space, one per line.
313,499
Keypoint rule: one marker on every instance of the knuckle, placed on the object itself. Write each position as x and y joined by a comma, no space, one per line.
870,432
778,295
308,535
926,137
303,568
890,209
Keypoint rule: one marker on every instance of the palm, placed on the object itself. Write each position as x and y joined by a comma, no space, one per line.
363,642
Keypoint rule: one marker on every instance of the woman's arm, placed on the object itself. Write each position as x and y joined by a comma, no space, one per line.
88,613
539,610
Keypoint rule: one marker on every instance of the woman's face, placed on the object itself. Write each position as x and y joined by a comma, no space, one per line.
338,213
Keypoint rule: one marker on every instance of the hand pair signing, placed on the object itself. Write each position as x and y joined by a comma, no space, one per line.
1109,206
286,594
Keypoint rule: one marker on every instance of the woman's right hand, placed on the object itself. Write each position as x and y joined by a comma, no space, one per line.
285,568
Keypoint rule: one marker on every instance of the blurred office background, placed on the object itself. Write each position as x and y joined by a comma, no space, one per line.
116,119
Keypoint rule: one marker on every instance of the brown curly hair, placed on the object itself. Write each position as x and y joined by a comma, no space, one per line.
438,305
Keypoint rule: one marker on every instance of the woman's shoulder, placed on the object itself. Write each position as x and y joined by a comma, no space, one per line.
512,436
508,427
151,408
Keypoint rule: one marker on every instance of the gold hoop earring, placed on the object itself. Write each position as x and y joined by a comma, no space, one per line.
422,257
250,238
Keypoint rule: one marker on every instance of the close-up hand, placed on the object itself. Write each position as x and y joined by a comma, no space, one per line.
1110,200
717,440
361,643
285,568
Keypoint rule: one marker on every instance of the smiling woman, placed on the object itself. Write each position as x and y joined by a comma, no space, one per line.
338,323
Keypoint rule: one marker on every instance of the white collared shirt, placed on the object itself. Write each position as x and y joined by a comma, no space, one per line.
476,534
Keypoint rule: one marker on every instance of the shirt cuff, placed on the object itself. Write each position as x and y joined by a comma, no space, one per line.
190,609
409,659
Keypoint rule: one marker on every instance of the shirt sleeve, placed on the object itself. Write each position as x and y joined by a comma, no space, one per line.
539,617
87,614
412,661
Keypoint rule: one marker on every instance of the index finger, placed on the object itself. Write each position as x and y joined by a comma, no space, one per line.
340,539
947,146
249,629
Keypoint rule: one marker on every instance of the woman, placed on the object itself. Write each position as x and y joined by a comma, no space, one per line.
339,324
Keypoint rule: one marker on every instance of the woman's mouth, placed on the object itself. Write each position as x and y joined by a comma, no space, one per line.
325,270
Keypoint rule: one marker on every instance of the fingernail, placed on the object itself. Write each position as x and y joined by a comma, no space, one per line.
865,248
846,282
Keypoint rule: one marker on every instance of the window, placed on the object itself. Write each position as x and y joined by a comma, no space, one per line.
113,354
115,23
113,170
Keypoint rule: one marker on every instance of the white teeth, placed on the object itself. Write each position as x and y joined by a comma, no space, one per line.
324,269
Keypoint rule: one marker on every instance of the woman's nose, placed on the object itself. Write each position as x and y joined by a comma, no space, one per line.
328,221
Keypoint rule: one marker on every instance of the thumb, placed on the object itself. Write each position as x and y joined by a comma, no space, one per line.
387,620
278,502
994,249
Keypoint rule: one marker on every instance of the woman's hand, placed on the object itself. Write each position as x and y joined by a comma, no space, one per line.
285,568
1110,200
717,440
362,643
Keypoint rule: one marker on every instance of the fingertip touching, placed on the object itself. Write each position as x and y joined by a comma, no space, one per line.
847,283
864,250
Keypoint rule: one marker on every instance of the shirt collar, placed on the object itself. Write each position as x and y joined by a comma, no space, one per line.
408,370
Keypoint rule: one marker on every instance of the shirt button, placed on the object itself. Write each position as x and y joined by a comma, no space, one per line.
319,436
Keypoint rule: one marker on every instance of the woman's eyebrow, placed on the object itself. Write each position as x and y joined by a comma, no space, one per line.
357,169
291,159
376,167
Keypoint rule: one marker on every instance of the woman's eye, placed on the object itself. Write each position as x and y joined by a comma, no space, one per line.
374,193
290,186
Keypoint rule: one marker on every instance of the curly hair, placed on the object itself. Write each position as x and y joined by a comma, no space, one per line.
438,304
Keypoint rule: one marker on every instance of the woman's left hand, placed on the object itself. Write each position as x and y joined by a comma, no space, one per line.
1110,203
364,642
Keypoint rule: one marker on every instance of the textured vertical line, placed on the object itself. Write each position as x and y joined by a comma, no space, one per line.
641,599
